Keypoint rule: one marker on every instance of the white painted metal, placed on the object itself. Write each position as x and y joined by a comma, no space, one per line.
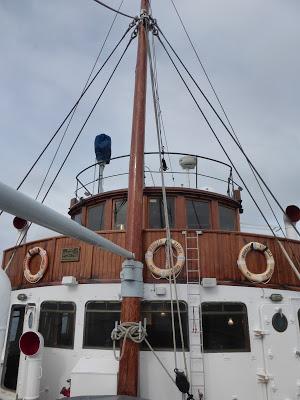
290,228
5,289
227,375
92,374
280,353
17,203
28,387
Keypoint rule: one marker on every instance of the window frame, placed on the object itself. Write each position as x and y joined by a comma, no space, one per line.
247,343
187,344
84,346
74,322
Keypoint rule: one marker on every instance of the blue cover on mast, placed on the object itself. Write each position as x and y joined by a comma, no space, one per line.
103,148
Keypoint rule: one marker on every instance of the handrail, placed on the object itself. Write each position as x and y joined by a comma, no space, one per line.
229,181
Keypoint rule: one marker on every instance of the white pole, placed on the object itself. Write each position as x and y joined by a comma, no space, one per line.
17,203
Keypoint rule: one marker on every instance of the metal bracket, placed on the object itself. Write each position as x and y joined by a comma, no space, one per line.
132,279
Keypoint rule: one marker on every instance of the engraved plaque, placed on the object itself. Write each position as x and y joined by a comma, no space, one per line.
69,254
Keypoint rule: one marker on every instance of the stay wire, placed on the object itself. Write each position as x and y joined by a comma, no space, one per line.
168,232
23,234
224,125
84,87
222,108
113,9
228,121
70,150
162,125
216,137
204,70
70,112
75,109
88,117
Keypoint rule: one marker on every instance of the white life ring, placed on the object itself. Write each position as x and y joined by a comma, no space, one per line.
34,278
164,272
241,262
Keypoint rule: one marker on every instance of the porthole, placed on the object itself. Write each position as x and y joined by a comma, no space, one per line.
279,322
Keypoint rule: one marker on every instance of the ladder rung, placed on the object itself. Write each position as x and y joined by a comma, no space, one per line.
192,248
192,259
191,237
192,270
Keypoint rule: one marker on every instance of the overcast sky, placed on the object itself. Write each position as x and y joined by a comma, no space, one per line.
249,48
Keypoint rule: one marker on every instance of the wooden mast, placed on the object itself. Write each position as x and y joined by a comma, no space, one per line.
130,311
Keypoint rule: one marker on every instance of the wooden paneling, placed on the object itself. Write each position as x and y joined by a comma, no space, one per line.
218,258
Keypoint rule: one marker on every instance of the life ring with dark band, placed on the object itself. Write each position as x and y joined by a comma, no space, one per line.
164,272
34,278
241,262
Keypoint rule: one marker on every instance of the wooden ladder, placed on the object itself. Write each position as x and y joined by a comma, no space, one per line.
193,282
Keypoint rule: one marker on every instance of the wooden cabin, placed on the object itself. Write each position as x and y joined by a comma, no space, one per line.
211,217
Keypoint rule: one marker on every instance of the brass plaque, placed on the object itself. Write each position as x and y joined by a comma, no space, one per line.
69,254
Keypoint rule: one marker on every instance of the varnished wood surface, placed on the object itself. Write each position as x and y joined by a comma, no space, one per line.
218,258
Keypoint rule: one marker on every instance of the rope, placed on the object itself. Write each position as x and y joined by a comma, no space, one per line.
75,105
217,138
236,141
136,332
164,195
112,9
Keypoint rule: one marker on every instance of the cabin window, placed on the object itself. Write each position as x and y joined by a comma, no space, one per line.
227,218
12,355
100,317
57,324
156,212
197,214
95,217
225,327
159,324
77,217
120,211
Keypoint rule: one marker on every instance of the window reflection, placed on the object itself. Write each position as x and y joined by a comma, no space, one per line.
197,214
156,212
57,324
227,218
95,217
120,212
225,327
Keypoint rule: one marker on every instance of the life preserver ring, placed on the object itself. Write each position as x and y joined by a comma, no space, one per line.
164,272
241,262
34,278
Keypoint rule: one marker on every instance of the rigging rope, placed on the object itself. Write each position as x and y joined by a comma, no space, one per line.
170,260
223,110
114,10
222,122
215,135
75,105
136,332
133,36
65,132
225,152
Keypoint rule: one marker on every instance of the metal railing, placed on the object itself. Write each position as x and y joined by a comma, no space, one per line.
88,179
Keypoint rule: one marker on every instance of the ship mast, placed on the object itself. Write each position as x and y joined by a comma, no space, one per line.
130,311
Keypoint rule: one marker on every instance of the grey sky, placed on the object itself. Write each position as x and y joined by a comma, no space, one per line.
250,50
